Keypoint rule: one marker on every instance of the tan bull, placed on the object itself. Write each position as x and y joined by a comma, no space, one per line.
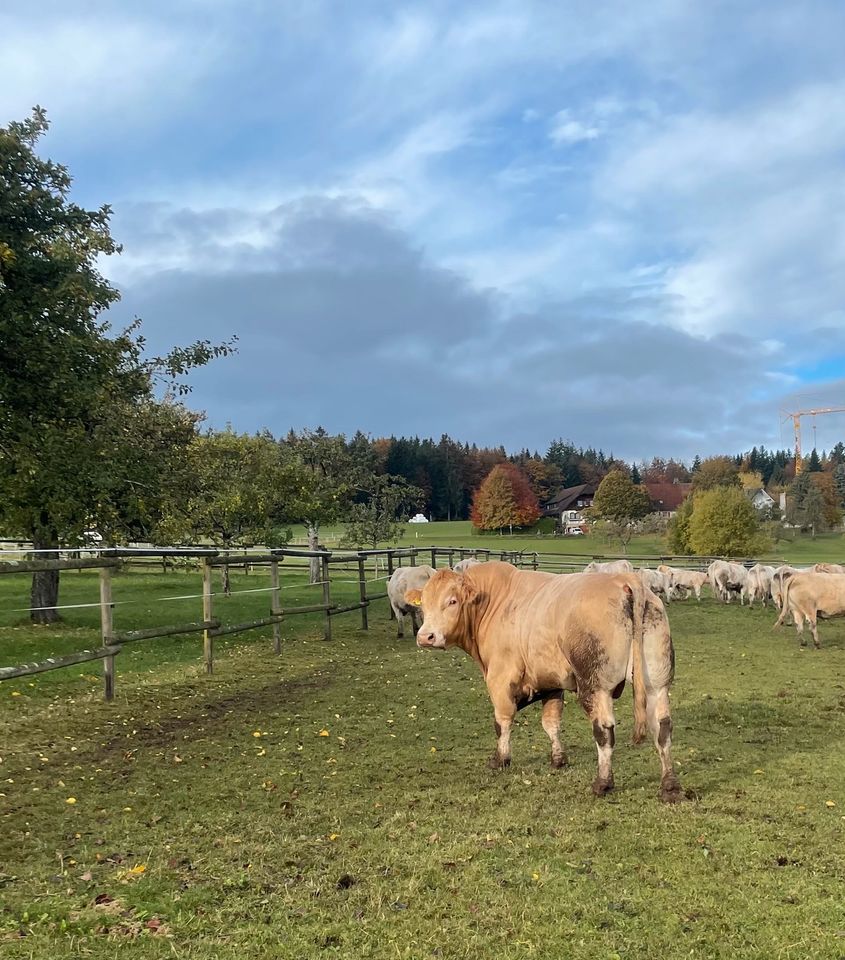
808,596
535,635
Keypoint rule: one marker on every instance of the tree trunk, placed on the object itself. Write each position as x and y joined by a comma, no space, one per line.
227,580
313,544
45,585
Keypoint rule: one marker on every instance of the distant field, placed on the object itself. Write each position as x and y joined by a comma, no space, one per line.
334,801
461,533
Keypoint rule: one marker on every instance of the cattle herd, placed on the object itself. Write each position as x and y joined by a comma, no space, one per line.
535,635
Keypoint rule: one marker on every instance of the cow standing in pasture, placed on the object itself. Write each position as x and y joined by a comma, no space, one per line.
684,582
758,584
828,568
727,578
808,596
610,566
535,635
779,578
403,580
657,581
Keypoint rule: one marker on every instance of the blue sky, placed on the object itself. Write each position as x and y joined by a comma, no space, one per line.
618,223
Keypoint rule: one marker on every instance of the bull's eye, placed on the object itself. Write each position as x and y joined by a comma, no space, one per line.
451,601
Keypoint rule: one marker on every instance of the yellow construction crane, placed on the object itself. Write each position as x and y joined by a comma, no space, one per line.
796,426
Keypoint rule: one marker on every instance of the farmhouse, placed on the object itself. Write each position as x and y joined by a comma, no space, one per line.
667,497
760,500
568,504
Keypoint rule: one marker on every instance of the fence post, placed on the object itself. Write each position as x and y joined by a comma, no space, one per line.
327,595
451,557
275,605
207,639
434,557
107,627
413,556
362,586
536,560
389,575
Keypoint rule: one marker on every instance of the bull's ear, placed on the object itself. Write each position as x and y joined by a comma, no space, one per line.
469,593
414,597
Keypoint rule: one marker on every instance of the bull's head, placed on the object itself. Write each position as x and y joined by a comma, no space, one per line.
444,600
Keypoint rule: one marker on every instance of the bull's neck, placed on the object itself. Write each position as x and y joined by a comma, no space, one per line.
471,619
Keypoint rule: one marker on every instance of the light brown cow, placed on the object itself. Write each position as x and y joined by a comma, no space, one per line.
535,635
463,565
828,568
808,596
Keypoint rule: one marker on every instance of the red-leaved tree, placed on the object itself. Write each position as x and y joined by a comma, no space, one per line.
504,499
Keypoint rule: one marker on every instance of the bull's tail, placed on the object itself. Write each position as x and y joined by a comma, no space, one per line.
784,601
637,667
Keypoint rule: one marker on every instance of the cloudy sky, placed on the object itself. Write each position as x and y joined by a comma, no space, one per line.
618,223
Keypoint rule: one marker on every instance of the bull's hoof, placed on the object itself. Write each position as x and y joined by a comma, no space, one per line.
671,791
559,761
498,763
602,787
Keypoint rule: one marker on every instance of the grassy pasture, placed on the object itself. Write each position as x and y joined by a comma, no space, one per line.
796,548
335,801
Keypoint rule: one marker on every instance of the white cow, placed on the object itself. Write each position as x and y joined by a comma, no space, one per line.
656,581
403,580
758,584
726,578
610,566
685,582
463,565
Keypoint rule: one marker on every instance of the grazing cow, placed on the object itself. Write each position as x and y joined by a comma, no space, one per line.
808,596
686,581
535,635
403,580
779,578
727,578
462,565
758,584
656,581
611,566
828,568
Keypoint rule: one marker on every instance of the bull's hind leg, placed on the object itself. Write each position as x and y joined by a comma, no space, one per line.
660,723
598,706
552,712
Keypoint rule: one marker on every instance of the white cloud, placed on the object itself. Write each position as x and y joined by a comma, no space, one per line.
565,129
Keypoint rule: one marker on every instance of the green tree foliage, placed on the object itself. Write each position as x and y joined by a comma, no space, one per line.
76,400
381,513
724,523
619,499
620,503
839,483
716,472
235,494
814,464
678,533
325,481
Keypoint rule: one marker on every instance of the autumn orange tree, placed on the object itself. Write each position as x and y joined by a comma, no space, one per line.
504,499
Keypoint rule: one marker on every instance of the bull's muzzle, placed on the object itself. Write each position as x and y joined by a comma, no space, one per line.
430,639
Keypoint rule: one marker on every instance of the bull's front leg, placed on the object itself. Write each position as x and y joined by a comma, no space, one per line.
552,713
504,710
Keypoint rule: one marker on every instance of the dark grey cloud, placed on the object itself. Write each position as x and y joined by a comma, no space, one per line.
344,322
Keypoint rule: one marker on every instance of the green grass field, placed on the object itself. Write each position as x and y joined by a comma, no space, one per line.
335,801
794,548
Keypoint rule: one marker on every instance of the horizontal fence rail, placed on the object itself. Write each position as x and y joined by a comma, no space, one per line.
354,562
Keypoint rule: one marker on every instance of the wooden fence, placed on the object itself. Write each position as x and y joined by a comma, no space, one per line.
211,627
